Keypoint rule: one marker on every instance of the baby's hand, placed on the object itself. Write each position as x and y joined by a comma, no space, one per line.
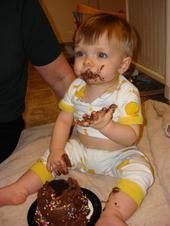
101,118
98,119
58,162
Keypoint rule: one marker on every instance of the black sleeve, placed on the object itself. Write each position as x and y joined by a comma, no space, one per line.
40,43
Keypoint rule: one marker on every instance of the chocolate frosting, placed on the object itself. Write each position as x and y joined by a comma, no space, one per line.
61,203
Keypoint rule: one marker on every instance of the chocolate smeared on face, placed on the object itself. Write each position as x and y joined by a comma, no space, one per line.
88,74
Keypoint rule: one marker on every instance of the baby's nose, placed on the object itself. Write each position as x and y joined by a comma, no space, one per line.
88,62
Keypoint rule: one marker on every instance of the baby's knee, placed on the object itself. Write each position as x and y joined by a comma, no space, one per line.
135,179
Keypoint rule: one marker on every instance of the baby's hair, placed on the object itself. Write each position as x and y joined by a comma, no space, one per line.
116,29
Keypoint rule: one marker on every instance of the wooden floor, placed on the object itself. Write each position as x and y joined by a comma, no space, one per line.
41,102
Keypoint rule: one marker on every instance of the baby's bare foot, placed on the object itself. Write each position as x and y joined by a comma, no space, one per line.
11,195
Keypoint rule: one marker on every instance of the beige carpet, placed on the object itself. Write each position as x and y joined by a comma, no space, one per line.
154,211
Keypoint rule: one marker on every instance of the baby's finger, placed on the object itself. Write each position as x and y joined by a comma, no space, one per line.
101,113
61,167
66,160
104,109
110,110
58,166
53,169
109,114
94,115
49,166
56,173
85,123
82,123
113,107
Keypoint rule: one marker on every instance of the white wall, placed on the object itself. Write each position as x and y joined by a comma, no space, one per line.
149,19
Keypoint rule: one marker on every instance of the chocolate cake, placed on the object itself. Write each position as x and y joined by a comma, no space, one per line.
62,203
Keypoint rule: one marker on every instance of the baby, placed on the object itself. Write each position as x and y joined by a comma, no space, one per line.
106,112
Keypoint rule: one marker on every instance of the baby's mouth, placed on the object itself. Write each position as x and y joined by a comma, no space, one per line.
87,75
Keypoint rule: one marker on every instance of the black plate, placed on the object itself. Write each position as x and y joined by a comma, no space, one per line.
90,195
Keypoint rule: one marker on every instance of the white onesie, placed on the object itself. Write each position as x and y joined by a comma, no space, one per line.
126,97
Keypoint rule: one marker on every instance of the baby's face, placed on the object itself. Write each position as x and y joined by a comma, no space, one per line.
99,62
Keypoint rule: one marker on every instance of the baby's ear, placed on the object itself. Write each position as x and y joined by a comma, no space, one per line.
125,65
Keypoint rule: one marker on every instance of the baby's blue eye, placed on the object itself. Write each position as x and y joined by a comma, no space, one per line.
79,54
102,55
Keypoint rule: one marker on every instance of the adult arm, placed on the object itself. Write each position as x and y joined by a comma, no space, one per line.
58,74
42,47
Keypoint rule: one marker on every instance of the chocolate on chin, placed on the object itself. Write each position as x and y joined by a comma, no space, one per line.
61,203
87,75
